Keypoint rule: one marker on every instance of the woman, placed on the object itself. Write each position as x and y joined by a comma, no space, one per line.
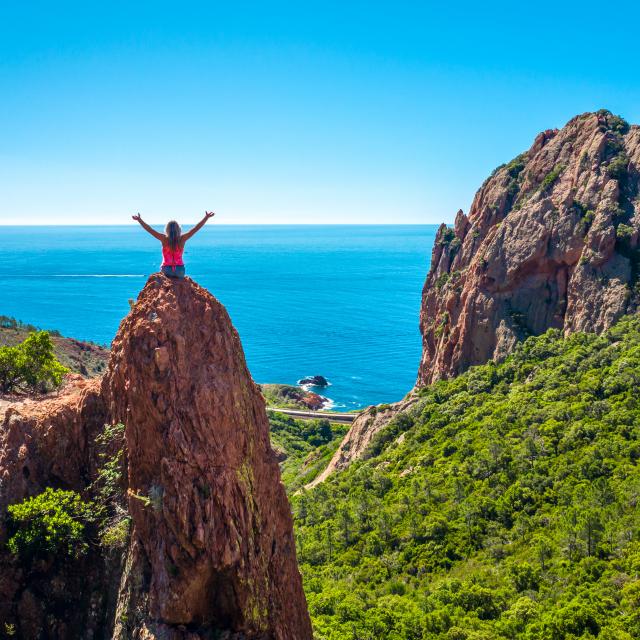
173,241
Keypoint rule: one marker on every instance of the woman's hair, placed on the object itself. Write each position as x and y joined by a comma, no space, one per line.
173,232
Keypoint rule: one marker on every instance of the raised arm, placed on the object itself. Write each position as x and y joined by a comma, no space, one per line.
192,232
151,230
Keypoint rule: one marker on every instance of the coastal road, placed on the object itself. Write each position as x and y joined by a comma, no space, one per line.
314,415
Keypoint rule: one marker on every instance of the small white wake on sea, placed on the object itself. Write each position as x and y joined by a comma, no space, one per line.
78,275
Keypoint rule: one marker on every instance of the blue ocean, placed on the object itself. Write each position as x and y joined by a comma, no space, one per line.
340,301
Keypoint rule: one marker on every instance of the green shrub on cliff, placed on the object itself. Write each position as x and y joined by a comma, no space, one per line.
52,522
507,509
31,365
551,177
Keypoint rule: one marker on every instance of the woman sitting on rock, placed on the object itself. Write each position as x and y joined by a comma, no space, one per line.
173,241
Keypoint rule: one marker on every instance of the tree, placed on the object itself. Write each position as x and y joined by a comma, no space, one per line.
31,365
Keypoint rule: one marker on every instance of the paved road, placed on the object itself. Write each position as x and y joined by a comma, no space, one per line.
308,415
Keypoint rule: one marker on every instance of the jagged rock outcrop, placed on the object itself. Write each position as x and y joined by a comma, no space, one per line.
551,240
51,443
362,431
211,549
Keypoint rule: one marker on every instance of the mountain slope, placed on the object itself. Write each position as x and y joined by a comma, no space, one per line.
504,504
551,241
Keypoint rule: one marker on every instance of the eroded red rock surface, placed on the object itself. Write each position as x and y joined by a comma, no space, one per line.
212,527
360,434
211,550
551,240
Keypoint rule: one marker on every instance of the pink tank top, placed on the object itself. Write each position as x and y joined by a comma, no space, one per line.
172,257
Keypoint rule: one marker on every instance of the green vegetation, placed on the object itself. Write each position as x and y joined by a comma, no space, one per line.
442,280
515,169
448,235
85,358
305,445
8,322
615,123
30,365
442,324
284,396
109,487
617,168
551,177
624,232
51,523
586,216
502,505
448,239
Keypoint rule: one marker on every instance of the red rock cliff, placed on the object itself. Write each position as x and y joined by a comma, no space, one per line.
211,549
551,240
216,539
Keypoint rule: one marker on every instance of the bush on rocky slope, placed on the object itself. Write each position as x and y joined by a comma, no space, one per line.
50,524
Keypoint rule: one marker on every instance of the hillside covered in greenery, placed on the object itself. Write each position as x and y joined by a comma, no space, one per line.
503,505
304,447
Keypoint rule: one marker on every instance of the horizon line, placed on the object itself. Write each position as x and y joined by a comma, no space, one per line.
242,224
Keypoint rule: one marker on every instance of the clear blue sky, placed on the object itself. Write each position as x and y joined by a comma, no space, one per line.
290,111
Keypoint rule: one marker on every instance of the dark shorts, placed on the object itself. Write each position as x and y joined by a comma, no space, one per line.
173,272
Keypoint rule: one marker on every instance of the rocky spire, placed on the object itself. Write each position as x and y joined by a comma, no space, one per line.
212,527
210,551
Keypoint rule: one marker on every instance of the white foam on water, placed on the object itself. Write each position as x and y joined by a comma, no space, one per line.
77,275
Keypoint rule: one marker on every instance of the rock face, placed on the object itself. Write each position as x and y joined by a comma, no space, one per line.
217,539
286,395
313,401
211,550
551,240
45,443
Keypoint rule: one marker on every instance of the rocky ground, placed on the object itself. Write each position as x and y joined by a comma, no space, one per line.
286,396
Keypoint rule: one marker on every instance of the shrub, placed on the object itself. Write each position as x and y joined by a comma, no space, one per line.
617,168
116,535
515,167
551,177
586,221
624,232
615,123
441,280
52,522
31,365
447,236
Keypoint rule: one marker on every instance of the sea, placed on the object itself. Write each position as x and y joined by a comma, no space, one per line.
341,301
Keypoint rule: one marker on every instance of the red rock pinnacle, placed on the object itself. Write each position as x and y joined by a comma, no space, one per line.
212,524
211,550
